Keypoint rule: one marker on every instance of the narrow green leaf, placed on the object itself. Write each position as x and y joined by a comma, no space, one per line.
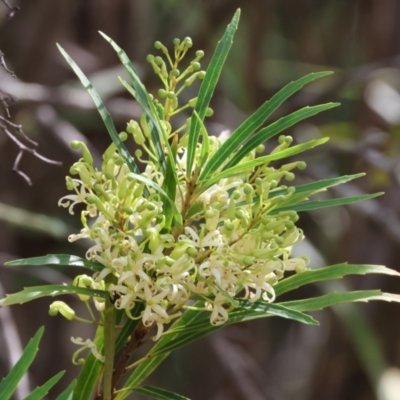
252,123
35,292
67,393
142,97
108,122
207,87
318,186
169,186
109,315
158,394
40,392
156,133
129,326
331,299
58,259
275,128
242,168
328,273
154,128
246,311
91,370
145,368
261,309
317,204
205,145
11,381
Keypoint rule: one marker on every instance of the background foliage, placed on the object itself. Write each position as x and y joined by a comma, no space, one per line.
277,41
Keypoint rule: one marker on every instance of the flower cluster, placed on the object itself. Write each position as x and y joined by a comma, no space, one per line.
232,242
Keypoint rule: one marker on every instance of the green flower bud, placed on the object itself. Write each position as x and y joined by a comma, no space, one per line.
154,239
196,66
209,112
62,308
192,251
84,174
289,176
228,225
134,128
240,214
85,152
179,250
174,73
247,260
199,54
171,95
248,189
235,195
70,183
192,102
158,45
176,42
260,149
144,125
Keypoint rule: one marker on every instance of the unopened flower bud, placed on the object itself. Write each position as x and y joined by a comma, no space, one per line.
75,144
64,309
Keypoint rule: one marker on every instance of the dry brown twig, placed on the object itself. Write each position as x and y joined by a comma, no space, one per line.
11,129
12,9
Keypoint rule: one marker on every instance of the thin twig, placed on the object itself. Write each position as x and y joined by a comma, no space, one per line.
13,9
4,65
19,129
23,148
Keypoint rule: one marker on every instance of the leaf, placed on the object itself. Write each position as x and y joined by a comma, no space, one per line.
254,122
35,292
142,97
169,185
11,381
241,168
145,368
331,299
155,129
40,392
261,309
129,326
159,394
67,393
182,333
207,88
275,128
58,259
333,272
317,204
318,186
302,192
246,311
108,122
91,370
205,145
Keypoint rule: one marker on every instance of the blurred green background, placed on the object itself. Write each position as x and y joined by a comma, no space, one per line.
355,353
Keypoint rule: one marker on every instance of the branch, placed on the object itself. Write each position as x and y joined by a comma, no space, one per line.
12,9
5,126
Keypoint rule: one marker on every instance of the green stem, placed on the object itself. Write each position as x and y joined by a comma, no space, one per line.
109,345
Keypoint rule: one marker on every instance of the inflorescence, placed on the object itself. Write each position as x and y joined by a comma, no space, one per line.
231,243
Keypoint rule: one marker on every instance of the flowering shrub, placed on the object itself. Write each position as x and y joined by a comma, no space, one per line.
192,233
